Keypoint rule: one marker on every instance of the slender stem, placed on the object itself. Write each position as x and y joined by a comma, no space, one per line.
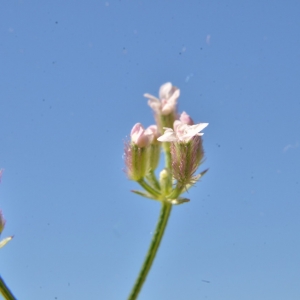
168,166
176,191
168,159
149,189
4,291
157,237
153,180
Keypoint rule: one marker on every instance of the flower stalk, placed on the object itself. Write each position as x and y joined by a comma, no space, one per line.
157,237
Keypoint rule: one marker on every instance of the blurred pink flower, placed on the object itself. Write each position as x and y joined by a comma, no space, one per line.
167,102
141,137
186,119
182,132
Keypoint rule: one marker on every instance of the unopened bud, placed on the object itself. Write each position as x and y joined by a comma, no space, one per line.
164,180
142,153
186,119
186,158
136,161
154,148
140,136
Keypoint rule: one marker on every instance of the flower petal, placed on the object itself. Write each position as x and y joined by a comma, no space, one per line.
199,127
165,90
168,108
175,95
168,136
149,96
152,130
140,136
155,104
185,132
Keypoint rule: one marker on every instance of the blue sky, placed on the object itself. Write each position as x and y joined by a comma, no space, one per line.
73,75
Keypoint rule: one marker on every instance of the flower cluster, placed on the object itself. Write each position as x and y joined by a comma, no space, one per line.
181,141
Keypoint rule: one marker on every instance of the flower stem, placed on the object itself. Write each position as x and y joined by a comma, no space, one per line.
176,191
153,180
157,237
148,188
168,159
4,291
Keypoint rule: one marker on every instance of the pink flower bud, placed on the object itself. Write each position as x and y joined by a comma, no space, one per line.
154,149
152,129
141,137
186,119
141,154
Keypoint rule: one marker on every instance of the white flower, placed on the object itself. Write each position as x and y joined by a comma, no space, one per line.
182,132
168,96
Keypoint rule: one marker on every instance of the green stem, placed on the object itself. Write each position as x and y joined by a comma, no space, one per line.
4,291
168,158
157,237
168,165
153,180
176,191
149,189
